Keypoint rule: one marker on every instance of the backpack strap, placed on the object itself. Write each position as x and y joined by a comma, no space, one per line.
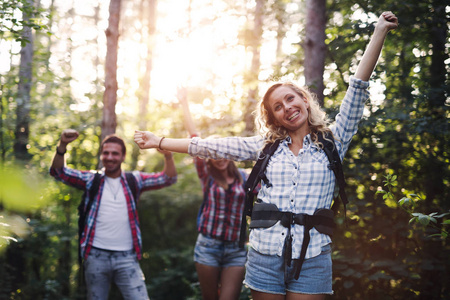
133,185
83,211
257,174
329,147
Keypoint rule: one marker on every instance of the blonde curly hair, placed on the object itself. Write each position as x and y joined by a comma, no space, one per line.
317,118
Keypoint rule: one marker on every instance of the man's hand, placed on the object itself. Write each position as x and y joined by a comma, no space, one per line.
69,135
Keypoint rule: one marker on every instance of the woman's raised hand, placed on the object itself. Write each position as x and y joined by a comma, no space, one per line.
388,20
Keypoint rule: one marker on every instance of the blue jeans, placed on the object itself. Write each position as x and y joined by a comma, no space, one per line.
102,267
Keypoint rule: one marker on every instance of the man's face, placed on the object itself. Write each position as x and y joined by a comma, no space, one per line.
112,158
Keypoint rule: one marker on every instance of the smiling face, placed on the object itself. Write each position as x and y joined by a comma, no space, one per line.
288,109
112,158
220,164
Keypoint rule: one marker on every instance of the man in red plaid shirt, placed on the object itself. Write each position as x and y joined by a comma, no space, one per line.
111,242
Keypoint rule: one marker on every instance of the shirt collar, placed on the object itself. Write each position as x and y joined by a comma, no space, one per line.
307,142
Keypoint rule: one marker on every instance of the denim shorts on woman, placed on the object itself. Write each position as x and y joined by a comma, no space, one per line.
266,273
216,253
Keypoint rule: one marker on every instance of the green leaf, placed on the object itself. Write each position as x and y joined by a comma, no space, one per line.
442,215
424,220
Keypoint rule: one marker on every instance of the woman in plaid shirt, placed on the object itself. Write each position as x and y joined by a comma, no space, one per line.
219,261
300,179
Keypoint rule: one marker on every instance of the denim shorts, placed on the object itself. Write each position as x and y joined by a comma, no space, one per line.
266,273
217,253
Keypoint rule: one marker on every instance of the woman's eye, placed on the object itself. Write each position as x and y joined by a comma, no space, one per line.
290,98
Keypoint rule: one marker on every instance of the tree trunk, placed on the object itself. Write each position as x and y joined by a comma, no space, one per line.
23,93
314,46
252,80
150,15
109,122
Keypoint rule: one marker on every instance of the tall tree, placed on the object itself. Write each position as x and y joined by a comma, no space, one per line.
22,131
252,77
109,121
314,46
148,12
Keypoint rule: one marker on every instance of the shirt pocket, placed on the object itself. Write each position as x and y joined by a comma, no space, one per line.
319,157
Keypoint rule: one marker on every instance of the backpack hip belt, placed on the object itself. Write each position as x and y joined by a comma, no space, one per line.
266,215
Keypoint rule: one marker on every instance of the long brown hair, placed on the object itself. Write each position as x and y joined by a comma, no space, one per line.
317,118
218,175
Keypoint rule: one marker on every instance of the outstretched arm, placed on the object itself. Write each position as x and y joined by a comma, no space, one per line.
387,22
67,136
148,140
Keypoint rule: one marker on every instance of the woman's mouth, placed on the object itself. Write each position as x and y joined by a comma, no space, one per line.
293,115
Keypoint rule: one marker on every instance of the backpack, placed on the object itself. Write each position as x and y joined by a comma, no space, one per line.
258,173
92,192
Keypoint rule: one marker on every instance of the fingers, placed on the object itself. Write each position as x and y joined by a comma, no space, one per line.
391,18
144,139
69,135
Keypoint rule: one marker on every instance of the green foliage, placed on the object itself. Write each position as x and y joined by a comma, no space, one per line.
410,203
390,249
12,22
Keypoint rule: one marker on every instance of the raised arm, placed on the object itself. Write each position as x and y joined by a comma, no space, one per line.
387,22
67,136
188,121
169,164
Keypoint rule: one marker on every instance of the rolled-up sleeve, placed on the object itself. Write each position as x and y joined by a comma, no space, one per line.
153,181
75,178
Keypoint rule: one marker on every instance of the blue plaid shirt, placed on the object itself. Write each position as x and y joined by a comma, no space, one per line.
300,184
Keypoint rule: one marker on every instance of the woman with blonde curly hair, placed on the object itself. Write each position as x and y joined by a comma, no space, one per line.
299,181
317,118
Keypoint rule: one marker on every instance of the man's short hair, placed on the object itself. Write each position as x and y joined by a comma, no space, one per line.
112,138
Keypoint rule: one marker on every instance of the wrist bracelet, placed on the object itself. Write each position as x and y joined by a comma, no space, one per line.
60,153
159,146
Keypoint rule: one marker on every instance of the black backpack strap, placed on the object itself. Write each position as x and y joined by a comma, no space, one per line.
329,147
257,174
133,185
83,211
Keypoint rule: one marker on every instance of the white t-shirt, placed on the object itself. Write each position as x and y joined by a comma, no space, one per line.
112,228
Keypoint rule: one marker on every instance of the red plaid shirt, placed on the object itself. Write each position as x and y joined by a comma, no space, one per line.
221,212
83,180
